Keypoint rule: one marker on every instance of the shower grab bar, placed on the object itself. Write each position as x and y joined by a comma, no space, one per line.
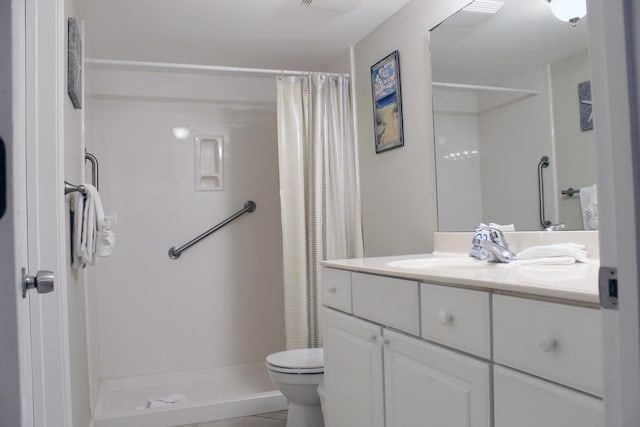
546,224
542,164
174,253
95,173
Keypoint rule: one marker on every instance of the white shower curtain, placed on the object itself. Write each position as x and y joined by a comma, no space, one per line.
319,197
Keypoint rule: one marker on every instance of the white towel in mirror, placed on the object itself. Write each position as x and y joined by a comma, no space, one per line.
589,207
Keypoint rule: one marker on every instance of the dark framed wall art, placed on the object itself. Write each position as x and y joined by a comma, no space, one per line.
387,103
74,63
586,106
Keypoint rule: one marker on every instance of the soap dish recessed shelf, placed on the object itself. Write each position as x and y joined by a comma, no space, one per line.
209,163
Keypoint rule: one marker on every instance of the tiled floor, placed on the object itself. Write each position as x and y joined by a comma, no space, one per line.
272,419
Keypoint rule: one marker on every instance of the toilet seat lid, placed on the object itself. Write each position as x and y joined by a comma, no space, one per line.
305,358
295,371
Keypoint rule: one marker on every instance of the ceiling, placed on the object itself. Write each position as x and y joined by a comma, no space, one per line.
280,34
487,49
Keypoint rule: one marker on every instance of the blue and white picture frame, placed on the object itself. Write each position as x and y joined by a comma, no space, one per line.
586,106
387,103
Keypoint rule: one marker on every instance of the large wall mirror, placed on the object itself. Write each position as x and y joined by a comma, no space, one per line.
509,88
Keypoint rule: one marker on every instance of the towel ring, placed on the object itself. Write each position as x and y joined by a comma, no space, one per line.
70,188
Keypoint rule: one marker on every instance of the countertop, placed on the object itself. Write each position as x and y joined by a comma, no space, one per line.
576,283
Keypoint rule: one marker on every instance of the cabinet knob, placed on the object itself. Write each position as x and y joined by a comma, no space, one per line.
372,337
445,317
332,290
385,341
547,344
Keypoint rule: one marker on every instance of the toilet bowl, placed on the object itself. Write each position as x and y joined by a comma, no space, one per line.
297,374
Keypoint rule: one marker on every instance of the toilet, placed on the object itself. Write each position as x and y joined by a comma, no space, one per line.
297,374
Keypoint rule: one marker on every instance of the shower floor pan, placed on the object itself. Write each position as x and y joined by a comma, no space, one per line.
212,394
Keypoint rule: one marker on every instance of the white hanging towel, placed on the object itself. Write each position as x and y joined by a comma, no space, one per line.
93,231
76,204
93,220
589,207
106,239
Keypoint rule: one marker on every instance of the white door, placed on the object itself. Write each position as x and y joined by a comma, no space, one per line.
427,385
15,374
45,92
353,371
34,372
614,38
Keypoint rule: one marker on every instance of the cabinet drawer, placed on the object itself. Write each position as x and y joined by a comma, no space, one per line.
459,318
336,289
525,401
391,302
554,341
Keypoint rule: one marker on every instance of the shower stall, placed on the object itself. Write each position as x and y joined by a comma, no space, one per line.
180,151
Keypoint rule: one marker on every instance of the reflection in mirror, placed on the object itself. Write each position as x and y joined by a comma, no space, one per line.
505,94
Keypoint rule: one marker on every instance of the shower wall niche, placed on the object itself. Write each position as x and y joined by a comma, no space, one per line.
200,325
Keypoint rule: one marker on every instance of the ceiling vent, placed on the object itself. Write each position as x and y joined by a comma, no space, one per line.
343,6
484,6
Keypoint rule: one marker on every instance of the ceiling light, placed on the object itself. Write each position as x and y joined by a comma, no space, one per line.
484,6
569,10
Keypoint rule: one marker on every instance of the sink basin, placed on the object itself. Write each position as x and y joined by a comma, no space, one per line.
438,262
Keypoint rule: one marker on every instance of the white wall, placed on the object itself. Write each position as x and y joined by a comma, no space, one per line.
514,136
575,149
398,186
73,172
221,303
509,134
457,145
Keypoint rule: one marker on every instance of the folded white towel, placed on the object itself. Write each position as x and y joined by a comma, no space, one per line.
501,227
554,260
589,207
573,250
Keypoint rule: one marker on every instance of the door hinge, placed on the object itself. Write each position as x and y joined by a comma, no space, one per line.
43,282
608,284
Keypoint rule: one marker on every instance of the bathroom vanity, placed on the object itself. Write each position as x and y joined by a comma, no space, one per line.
436,340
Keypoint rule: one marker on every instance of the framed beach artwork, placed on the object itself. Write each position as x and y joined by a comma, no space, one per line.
387,103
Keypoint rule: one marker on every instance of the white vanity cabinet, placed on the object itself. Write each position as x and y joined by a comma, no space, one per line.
405,354
526,401
418,384
428,385
557,342
353,371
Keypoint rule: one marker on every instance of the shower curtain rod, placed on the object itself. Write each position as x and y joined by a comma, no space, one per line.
487,88
197,67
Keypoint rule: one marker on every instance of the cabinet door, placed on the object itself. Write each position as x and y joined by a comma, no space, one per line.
427,385
352,371
525,401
